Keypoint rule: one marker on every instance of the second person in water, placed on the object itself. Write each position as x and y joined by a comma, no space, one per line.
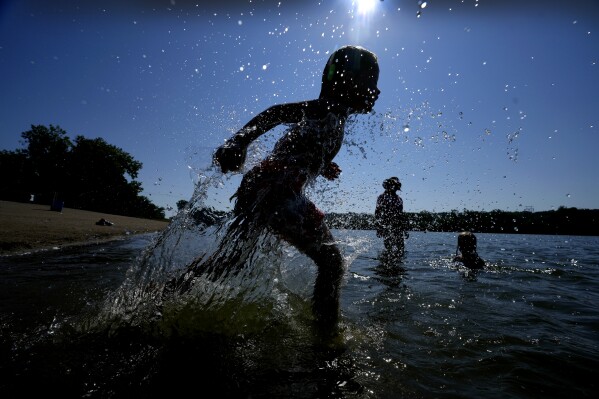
466,252
389,218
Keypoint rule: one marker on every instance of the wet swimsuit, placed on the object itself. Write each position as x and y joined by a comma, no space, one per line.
273,193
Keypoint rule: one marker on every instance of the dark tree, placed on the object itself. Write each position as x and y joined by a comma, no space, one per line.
102,176
87,174
13,185
47,152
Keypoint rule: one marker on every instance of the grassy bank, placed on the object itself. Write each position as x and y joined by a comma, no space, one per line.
25,227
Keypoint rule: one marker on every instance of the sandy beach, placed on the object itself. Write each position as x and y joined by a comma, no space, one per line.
28,227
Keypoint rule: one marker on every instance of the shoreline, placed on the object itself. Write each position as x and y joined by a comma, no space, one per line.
69,245
27,228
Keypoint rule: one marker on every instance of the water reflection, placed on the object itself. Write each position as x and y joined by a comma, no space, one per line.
390,269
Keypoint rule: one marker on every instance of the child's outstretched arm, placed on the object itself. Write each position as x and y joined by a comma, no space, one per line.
231,155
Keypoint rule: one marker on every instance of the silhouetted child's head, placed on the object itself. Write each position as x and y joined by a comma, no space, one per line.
350,77
392,184
467,242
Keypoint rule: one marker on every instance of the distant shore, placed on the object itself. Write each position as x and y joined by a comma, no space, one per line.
31,227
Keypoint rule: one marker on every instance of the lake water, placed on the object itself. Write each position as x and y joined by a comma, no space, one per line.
525,327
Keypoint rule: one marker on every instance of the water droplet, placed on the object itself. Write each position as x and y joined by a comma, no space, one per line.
448,137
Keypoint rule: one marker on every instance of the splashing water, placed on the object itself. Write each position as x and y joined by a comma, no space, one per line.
195,234
206,273
239,280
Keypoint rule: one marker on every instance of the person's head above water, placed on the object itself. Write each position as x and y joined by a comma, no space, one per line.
350,77
467,249
392,184
466,242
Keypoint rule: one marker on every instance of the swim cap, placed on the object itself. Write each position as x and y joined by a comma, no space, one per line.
348,62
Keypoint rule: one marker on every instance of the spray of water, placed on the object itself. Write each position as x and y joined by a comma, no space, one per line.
210,270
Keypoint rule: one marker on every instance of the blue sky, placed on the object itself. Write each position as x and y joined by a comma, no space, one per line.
484,104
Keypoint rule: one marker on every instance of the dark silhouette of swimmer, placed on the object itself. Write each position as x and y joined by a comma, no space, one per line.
467,251
389,218
272,194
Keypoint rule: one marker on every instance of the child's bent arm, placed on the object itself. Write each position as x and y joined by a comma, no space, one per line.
231,155
268,119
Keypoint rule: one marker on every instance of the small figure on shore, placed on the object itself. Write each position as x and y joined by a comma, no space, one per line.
272,194
389,218
104,222
467,251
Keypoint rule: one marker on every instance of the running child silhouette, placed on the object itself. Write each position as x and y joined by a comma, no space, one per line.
272,194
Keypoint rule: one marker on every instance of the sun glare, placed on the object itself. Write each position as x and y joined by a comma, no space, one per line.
365,6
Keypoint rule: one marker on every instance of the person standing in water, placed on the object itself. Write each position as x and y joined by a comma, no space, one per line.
389,218
272,194
467,251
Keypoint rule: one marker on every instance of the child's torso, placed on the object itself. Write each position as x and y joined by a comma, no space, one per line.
311,144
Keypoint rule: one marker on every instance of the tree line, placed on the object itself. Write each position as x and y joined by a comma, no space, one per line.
84,173
563,221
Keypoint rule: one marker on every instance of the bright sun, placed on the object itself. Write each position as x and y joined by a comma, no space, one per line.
365,6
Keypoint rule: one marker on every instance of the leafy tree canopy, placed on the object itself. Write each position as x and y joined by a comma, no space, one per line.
86,174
